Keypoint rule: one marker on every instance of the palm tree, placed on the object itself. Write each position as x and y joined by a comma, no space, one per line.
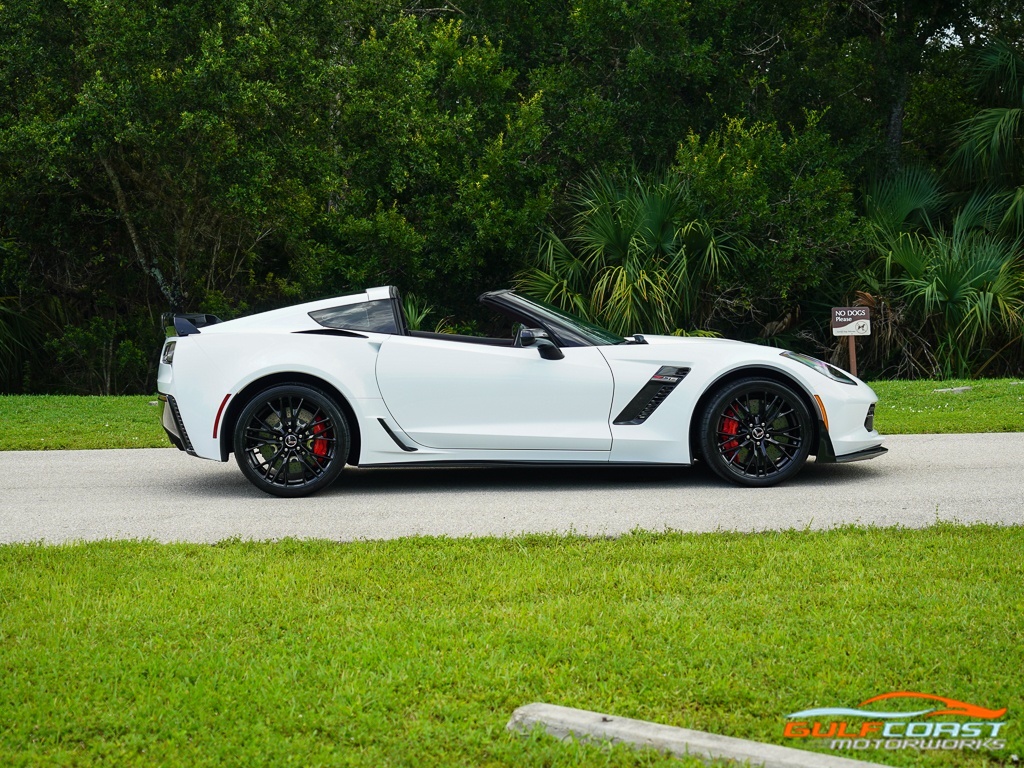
964,285
635,258
967,284
991,143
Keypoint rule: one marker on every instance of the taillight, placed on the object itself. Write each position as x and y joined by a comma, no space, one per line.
168,355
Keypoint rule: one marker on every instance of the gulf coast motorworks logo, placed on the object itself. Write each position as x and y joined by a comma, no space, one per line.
919,729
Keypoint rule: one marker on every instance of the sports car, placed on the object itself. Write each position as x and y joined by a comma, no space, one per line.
299,393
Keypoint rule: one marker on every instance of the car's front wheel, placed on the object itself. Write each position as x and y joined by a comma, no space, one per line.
756,432
291,440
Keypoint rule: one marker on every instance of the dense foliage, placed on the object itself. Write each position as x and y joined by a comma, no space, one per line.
233,156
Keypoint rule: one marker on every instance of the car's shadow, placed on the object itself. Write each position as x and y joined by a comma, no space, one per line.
527,477
533,478
426,479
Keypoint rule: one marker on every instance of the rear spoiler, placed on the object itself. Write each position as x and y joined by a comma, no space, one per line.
187,324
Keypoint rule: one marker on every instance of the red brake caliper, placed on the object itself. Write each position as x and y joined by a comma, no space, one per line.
319,444
730,426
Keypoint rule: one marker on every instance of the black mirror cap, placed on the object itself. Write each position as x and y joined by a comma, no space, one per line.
549,351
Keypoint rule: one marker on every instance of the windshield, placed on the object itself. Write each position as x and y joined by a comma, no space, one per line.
590,334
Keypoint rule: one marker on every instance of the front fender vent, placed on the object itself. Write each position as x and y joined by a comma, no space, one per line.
651,395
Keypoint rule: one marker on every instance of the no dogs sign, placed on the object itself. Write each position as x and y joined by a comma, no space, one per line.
851,321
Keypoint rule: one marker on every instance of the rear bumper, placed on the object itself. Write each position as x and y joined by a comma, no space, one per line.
170,418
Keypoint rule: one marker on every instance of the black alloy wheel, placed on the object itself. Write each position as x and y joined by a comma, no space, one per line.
756,432
291,440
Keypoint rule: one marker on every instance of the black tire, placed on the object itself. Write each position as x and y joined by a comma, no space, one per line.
756,432
291,440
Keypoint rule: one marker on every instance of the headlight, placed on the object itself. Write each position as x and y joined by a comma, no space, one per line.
821,367
168,356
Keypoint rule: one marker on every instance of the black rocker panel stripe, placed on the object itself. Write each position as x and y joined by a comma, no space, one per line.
651,395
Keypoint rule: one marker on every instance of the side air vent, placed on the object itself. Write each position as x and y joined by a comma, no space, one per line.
393,436
651,395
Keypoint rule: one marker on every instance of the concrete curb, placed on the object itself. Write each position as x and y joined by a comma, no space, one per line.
565,722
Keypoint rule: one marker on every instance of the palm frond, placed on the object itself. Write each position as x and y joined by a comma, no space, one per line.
999,72
19,335
983,210
1013,211
908,254
910,198
989,144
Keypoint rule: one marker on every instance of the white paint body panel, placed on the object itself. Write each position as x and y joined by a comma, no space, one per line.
453,395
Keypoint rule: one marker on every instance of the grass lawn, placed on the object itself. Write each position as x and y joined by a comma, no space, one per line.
59,422
415,652
51,422
990,405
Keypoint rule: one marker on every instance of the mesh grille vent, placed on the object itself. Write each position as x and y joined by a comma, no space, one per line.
651,395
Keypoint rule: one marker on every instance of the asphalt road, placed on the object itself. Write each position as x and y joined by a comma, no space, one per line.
164,495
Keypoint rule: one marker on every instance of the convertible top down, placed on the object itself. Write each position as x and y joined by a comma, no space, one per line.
298,393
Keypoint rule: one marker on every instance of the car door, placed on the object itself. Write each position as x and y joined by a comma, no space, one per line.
459,395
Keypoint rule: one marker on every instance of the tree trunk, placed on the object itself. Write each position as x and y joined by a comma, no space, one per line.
169,291
894,128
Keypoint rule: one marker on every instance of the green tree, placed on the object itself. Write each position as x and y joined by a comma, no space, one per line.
194,128
888,75
162,156
990,151
787,197
621,82
441,160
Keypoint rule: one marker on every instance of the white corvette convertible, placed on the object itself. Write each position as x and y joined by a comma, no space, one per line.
298,393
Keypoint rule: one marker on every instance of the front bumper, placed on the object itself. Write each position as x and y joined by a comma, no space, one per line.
867,453
826,453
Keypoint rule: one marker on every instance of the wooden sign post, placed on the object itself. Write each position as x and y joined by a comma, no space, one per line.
852,322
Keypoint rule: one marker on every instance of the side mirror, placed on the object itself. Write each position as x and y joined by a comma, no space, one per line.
538,336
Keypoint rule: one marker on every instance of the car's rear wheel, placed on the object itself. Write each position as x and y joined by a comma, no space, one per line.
756,432
291,440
